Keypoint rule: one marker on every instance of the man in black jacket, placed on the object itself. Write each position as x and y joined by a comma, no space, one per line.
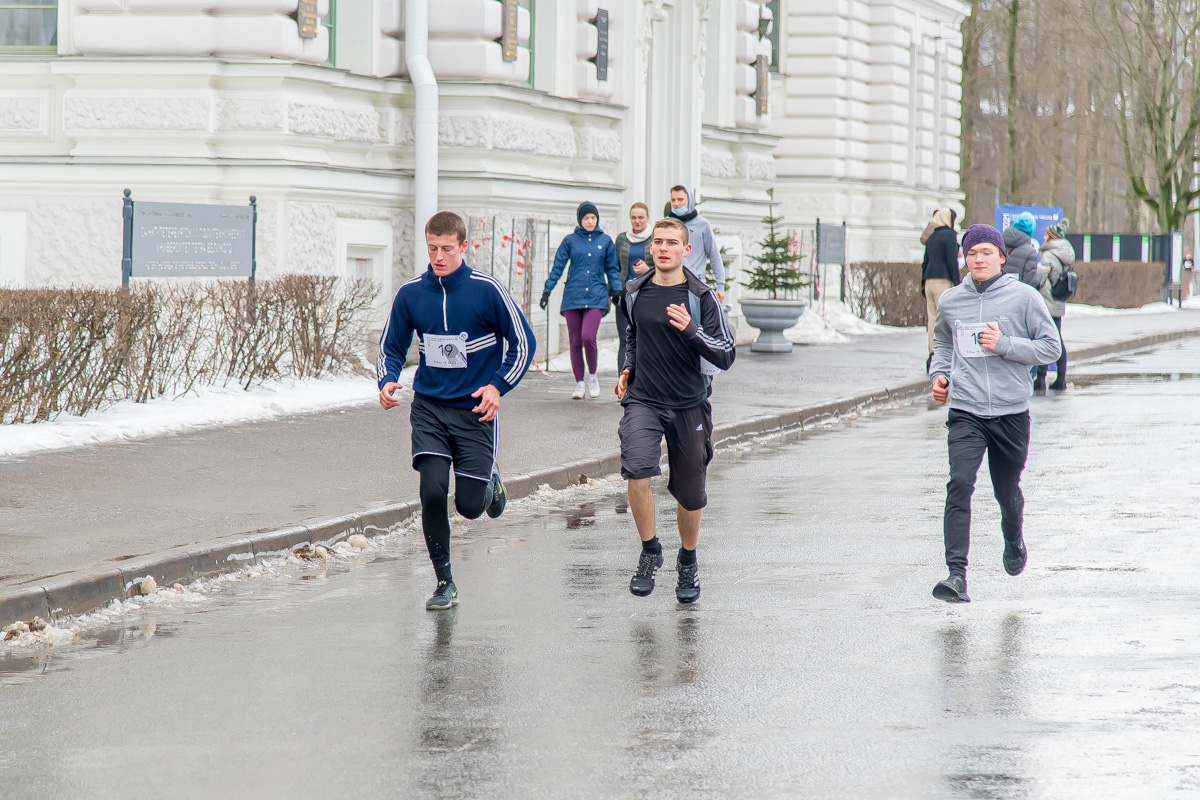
939,268
677,340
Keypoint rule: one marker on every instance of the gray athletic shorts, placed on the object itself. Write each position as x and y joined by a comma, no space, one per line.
688,432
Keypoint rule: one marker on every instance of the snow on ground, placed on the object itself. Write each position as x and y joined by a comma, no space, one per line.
206,407
1081,310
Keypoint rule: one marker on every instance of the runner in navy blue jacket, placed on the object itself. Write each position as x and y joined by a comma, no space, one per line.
475,346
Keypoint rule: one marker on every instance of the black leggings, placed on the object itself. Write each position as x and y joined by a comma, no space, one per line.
1062,360
471,498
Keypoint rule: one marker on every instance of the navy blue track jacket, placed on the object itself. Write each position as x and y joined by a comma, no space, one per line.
499,342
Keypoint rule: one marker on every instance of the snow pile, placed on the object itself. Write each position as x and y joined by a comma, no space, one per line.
1081,310
834,324
1192,302
205,407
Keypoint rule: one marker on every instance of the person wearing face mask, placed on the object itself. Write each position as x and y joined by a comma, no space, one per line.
990,330
700,233
592,281
633,253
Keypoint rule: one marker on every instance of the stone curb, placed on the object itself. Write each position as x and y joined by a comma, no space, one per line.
80,592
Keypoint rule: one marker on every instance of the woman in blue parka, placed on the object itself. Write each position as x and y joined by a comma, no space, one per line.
592,281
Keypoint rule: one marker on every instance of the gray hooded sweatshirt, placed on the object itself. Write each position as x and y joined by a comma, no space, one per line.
983,383
704,245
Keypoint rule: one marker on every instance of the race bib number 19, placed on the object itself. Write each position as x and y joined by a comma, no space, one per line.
446,352
967,339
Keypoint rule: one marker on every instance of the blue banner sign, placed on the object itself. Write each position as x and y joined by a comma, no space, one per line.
1044,217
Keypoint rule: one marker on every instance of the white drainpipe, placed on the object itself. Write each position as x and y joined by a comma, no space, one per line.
425,125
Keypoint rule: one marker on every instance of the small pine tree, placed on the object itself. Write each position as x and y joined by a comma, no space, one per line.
778,271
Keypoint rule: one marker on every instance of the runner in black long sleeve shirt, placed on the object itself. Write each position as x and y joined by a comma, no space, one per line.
664,386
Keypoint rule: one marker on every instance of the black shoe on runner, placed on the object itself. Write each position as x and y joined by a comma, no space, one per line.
499,497
952,590
642,582
688,588
444,596
1015,556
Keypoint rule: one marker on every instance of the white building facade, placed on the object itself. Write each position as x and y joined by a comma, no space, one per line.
212,101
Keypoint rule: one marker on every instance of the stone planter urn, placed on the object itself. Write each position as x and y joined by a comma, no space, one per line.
772,318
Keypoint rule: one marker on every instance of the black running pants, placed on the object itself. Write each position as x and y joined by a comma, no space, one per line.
471,498
1005,439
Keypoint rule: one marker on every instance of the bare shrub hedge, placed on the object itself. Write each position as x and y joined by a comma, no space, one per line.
886,292
1119,284
889,293
76,350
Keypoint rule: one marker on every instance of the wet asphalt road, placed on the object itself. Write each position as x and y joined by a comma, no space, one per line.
816,664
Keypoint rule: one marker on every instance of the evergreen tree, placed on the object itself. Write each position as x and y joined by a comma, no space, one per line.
778,271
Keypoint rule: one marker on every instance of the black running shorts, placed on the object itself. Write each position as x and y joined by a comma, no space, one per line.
456,434
688,433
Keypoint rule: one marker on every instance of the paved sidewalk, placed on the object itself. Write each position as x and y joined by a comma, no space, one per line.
107,507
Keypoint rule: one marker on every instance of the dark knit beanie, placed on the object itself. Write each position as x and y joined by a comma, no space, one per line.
585,208
978,234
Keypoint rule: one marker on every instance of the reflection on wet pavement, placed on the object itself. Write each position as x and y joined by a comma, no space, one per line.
815,665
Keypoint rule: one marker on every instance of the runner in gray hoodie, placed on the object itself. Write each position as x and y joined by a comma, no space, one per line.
700,234
990,330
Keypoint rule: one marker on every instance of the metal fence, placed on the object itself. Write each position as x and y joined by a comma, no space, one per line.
518,252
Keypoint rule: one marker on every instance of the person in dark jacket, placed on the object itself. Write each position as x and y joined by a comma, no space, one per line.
939,268
633,256
1022,256
474,346
593,259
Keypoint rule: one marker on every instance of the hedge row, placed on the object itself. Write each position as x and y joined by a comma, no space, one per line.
889,293
77,350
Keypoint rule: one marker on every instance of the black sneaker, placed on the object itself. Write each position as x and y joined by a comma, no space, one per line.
688,588
642,582
952,590
444,596
499,496
1015,556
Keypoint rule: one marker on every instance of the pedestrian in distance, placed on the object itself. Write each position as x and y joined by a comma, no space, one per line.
1022,255
1057,257
700,233
990,330
939,268
593,281
678,339
474,347
633,252
931,226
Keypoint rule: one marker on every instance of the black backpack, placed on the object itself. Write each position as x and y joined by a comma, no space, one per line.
1064,288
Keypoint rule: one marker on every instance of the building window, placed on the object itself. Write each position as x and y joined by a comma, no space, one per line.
329,31
773,5
29,25
528,6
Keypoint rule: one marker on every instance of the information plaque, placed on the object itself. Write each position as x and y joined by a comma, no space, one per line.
762,84
601,23
187,240
306,19
510,29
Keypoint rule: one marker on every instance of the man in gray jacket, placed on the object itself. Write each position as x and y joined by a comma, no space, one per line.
990,330
700,234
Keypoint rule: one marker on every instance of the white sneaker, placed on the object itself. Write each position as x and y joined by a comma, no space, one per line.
593,386
578,393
